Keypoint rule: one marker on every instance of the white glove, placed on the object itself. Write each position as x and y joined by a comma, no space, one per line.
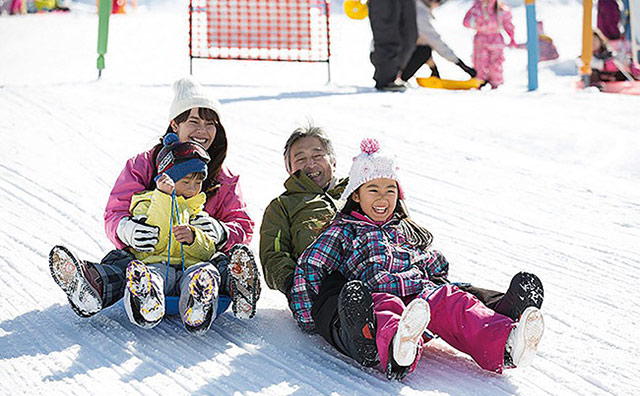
212,227
137,234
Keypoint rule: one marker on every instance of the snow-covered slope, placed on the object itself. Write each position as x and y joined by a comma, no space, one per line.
506,180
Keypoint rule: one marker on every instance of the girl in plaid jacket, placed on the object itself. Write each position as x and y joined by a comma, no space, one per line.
372,240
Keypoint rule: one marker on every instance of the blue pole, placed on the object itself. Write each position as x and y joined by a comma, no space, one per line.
532,44
625,15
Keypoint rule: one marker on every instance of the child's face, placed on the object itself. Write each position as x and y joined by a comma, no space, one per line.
190,185
377,198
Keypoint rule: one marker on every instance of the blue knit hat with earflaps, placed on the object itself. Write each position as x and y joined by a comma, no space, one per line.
178,159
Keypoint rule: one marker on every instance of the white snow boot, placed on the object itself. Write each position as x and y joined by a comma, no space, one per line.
79,280
524,338
245,282
404,346
200,304
144,299
414,321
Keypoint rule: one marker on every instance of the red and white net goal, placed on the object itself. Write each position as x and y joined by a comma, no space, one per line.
278,30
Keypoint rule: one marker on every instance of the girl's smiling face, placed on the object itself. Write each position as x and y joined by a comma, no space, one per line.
377,198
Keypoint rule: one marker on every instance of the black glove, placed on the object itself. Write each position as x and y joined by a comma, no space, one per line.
434,71
288,285
469,70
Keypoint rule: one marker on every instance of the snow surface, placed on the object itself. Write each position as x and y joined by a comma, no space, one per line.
506,180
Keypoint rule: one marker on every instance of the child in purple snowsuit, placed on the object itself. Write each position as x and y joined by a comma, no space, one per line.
372,240
489,18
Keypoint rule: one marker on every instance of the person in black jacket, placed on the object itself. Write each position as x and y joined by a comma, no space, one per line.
393,23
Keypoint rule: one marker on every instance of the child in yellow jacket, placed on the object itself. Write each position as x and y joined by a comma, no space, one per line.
179,262
155,205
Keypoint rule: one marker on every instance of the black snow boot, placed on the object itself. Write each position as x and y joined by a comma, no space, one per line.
393,370
524,291
357,323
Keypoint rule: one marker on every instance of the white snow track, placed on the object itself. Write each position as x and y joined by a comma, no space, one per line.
506,181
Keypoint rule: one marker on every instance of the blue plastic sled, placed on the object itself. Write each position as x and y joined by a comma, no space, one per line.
171,305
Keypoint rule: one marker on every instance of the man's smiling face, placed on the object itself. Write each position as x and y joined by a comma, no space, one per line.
308,154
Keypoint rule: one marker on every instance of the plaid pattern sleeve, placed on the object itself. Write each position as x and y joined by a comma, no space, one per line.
381,265
318,260
435,264
403,283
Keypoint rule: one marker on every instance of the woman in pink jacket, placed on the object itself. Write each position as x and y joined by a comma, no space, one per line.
489,18
194,116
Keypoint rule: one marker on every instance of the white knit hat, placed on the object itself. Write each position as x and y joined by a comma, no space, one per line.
189,94
371,164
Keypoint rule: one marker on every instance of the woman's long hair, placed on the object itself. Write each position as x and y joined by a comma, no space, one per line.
217,151
415,234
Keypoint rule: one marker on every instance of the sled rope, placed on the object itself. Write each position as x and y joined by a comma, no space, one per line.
174,204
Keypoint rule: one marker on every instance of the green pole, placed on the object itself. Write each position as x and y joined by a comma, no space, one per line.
104,11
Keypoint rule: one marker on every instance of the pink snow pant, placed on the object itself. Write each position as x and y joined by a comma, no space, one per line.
488,56
388,309
458,317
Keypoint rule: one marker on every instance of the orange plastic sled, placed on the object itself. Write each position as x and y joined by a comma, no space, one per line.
439,83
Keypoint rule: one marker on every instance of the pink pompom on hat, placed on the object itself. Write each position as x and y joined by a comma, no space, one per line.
371,163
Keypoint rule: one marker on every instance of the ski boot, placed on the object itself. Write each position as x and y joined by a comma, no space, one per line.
244,282
357,323
524,338
78,279
144,302
404,346
199,310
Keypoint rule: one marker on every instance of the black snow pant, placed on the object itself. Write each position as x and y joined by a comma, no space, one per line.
490,298
393,23
325,308
419,57
324,311
112,269
113,273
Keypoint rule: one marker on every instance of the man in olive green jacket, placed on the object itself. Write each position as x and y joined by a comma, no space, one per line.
292,221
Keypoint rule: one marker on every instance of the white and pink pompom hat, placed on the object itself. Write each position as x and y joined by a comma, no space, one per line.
371,163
